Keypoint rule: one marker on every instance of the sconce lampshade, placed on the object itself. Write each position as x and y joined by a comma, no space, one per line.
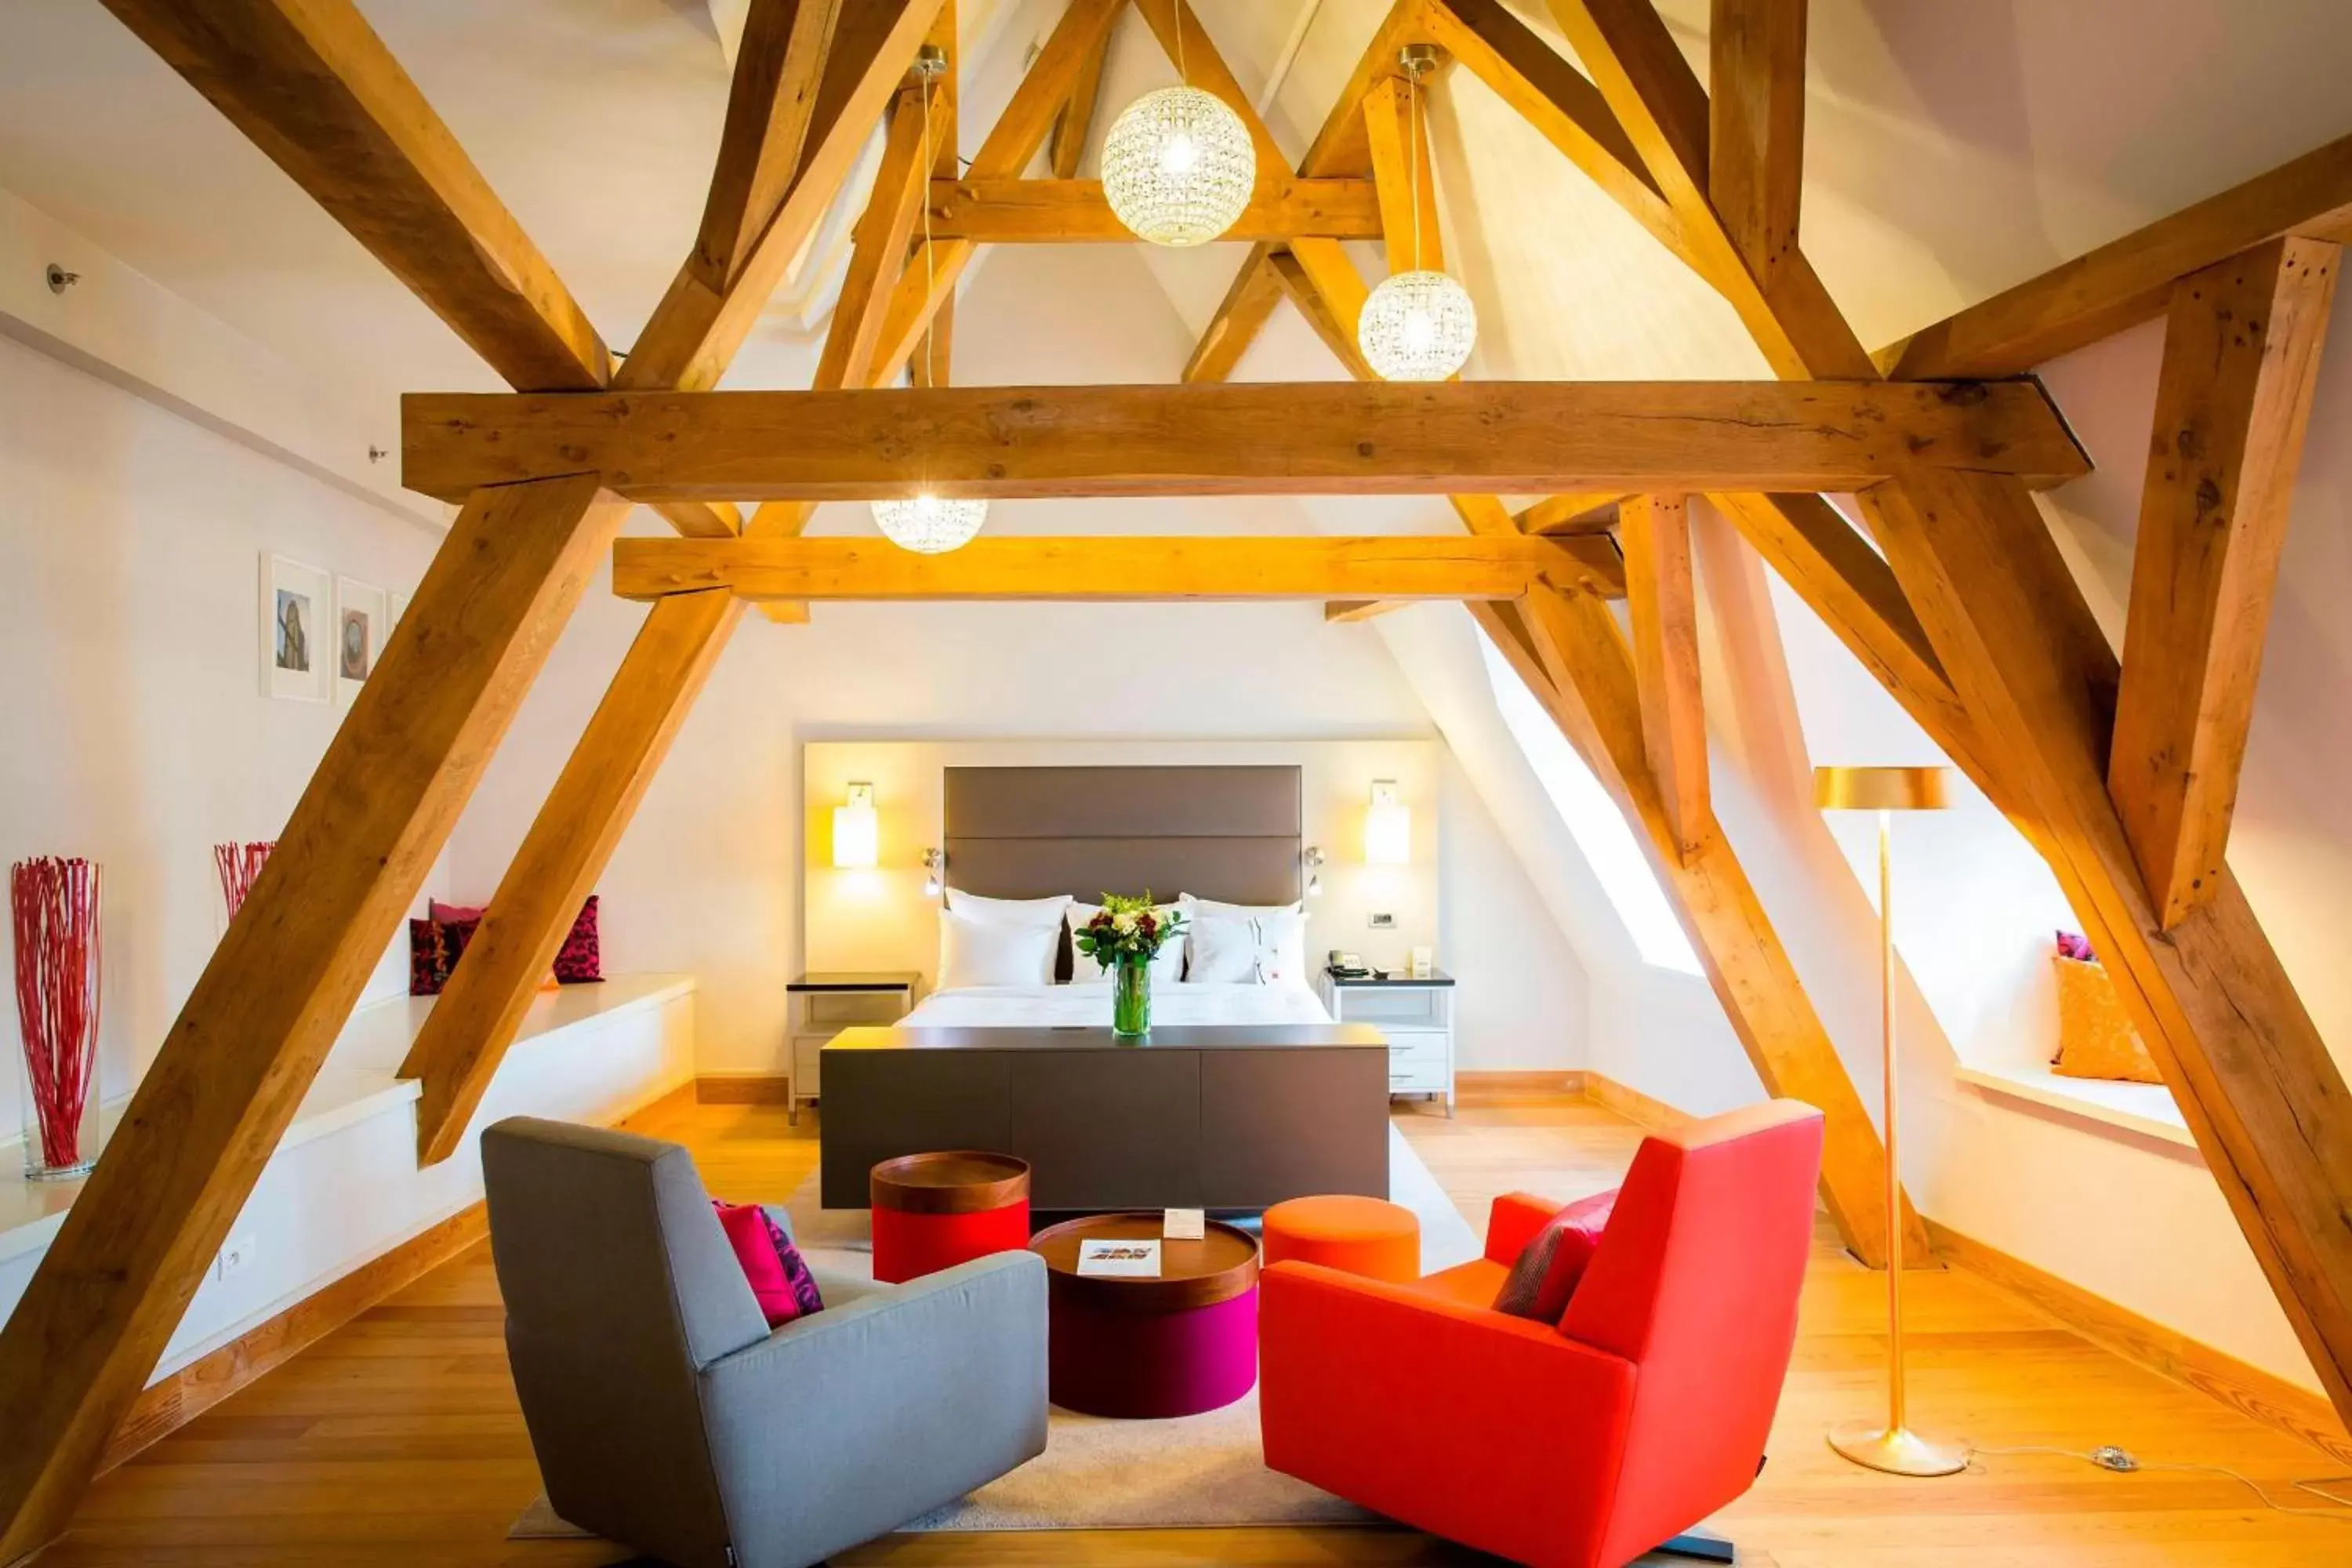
856,831
1388,828
1879,789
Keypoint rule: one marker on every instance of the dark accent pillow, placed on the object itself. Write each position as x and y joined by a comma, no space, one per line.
581,959
2077,948
778,1277
433,949
441,911
1548,1267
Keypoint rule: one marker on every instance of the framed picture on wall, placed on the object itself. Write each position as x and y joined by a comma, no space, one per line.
362,620
296,640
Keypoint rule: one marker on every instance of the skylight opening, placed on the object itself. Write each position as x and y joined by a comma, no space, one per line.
1592,819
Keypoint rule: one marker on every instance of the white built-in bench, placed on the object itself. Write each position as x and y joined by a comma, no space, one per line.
344,1188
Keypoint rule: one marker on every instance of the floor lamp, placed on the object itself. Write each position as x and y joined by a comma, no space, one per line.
1891,1447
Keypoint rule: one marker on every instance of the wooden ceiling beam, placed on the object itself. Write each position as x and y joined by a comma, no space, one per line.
1068,144
2254,1078
1116,568
465,1035
779,68
1756,127
879,247
1664,603
237,1061
1397,132
1067,212
697,327
313,85
1333,323
1569,649
1657,97
1578,511
2242,351
2129,281
1243,312
1252,438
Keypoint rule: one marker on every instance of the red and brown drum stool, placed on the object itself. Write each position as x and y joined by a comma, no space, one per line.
1367,1236
934,1211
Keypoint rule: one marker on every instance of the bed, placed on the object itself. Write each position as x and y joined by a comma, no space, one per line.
1242,1095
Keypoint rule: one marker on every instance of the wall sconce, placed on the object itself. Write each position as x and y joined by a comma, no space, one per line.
856,831
1388,828
935,871
1314,859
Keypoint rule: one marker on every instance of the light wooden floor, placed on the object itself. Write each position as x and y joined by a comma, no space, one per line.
397,1439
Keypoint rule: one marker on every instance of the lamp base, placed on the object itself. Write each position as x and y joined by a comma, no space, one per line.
1897,1452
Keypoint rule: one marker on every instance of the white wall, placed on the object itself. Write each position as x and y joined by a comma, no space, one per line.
135,729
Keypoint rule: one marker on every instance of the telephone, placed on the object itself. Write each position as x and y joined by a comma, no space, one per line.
1346,965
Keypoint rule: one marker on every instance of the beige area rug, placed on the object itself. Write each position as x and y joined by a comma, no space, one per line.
1204,1470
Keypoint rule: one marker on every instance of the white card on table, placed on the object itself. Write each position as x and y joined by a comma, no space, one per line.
1185,1224
1131,1259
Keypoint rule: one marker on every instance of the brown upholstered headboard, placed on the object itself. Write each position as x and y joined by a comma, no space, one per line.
1232,833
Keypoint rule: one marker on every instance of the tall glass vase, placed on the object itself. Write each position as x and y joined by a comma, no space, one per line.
1130,996
53,906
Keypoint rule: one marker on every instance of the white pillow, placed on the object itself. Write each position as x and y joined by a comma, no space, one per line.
1224,952
980,952
1167,966
1045,912
1283,935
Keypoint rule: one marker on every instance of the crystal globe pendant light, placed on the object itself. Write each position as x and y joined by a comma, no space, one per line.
924,524
1178,166
1418,325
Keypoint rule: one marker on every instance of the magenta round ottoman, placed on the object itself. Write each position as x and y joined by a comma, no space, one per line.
1140,1347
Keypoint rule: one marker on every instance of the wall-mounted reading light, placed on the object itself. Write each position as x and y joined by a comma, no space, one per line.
1314,859
1388,828
935,871
856,831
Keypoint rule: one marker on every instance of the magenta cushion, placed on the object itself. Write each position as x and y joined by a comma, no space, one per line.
1554,1259
450,913
779,1280
581,959
2078,948
433,948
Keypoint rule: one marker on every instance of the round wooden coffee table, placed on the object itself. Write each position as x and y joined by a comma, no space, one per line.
1175,1345
934,1211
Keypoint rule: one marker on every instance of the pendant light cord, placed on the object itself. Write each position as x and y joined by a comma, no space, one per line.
1413,152
930,256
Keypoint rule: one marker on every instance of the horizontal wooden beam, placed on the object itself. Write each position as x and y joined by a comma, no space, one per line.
1116,568
1066,212
1257,438
2129,281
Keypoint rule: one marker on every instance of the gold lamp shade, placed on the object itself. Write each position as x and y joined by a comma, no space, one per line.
1879,789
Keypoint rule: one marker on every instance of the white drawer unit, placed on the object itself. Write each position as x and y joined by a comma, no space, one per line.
1417,1016
821,1004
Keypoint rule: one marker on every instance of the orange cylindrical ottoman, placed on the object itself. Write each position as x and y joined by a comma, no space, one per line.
1370,1237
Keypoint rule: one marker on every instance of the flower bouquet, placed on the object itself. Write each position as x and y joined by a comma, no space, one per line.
1125,935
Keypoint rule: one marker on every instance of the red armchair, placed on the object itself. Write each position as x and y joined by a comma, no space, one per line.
1581,1446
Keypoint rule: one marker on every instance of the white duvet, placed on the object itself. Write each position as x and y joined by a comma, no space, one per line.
1081,1005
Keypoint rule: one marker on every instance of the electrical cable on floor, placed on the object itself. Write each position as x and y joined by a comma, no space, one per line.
2120,1461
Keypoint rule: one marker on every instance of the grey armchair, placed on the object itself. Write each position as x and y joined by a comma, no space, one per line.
667,1418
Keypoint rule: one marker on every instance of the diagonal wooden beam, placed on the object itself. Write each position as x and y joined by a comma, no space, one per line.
1664,603
570,843
1317,437
1397,132
1578,511
779,69
310,84
878,250
1068,144
247,1044
1240,315
2129,281
1569,649
697,327
1334,323
2240,359
2208,997
1755,128
1656,97
1112,567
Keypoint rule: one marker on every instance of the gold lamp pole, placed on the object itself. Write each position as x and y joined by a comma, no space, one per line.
1893,1447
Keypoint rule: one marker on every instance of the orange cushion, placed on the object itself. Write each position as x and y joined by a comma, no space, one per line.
1367,1236
1471,1284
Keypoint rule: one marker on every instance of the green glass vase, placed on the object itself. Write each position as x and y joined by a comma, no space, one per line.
1131,997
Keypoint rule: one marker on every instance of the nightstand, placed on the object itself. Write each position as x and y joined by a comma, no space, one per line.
821,1004
1417,1016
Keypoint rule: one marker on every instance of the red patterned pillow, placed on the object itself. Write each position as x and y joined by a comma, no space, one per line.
433,949
441,911
581,959
1548,1267
778,1277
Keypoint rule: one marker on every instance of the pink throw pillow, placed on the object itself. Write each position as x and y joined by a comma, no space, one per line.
773,1266
1549,1265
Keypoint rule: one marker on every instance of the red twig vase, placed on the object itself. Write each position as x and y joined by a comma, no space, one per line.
239,866
55,908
